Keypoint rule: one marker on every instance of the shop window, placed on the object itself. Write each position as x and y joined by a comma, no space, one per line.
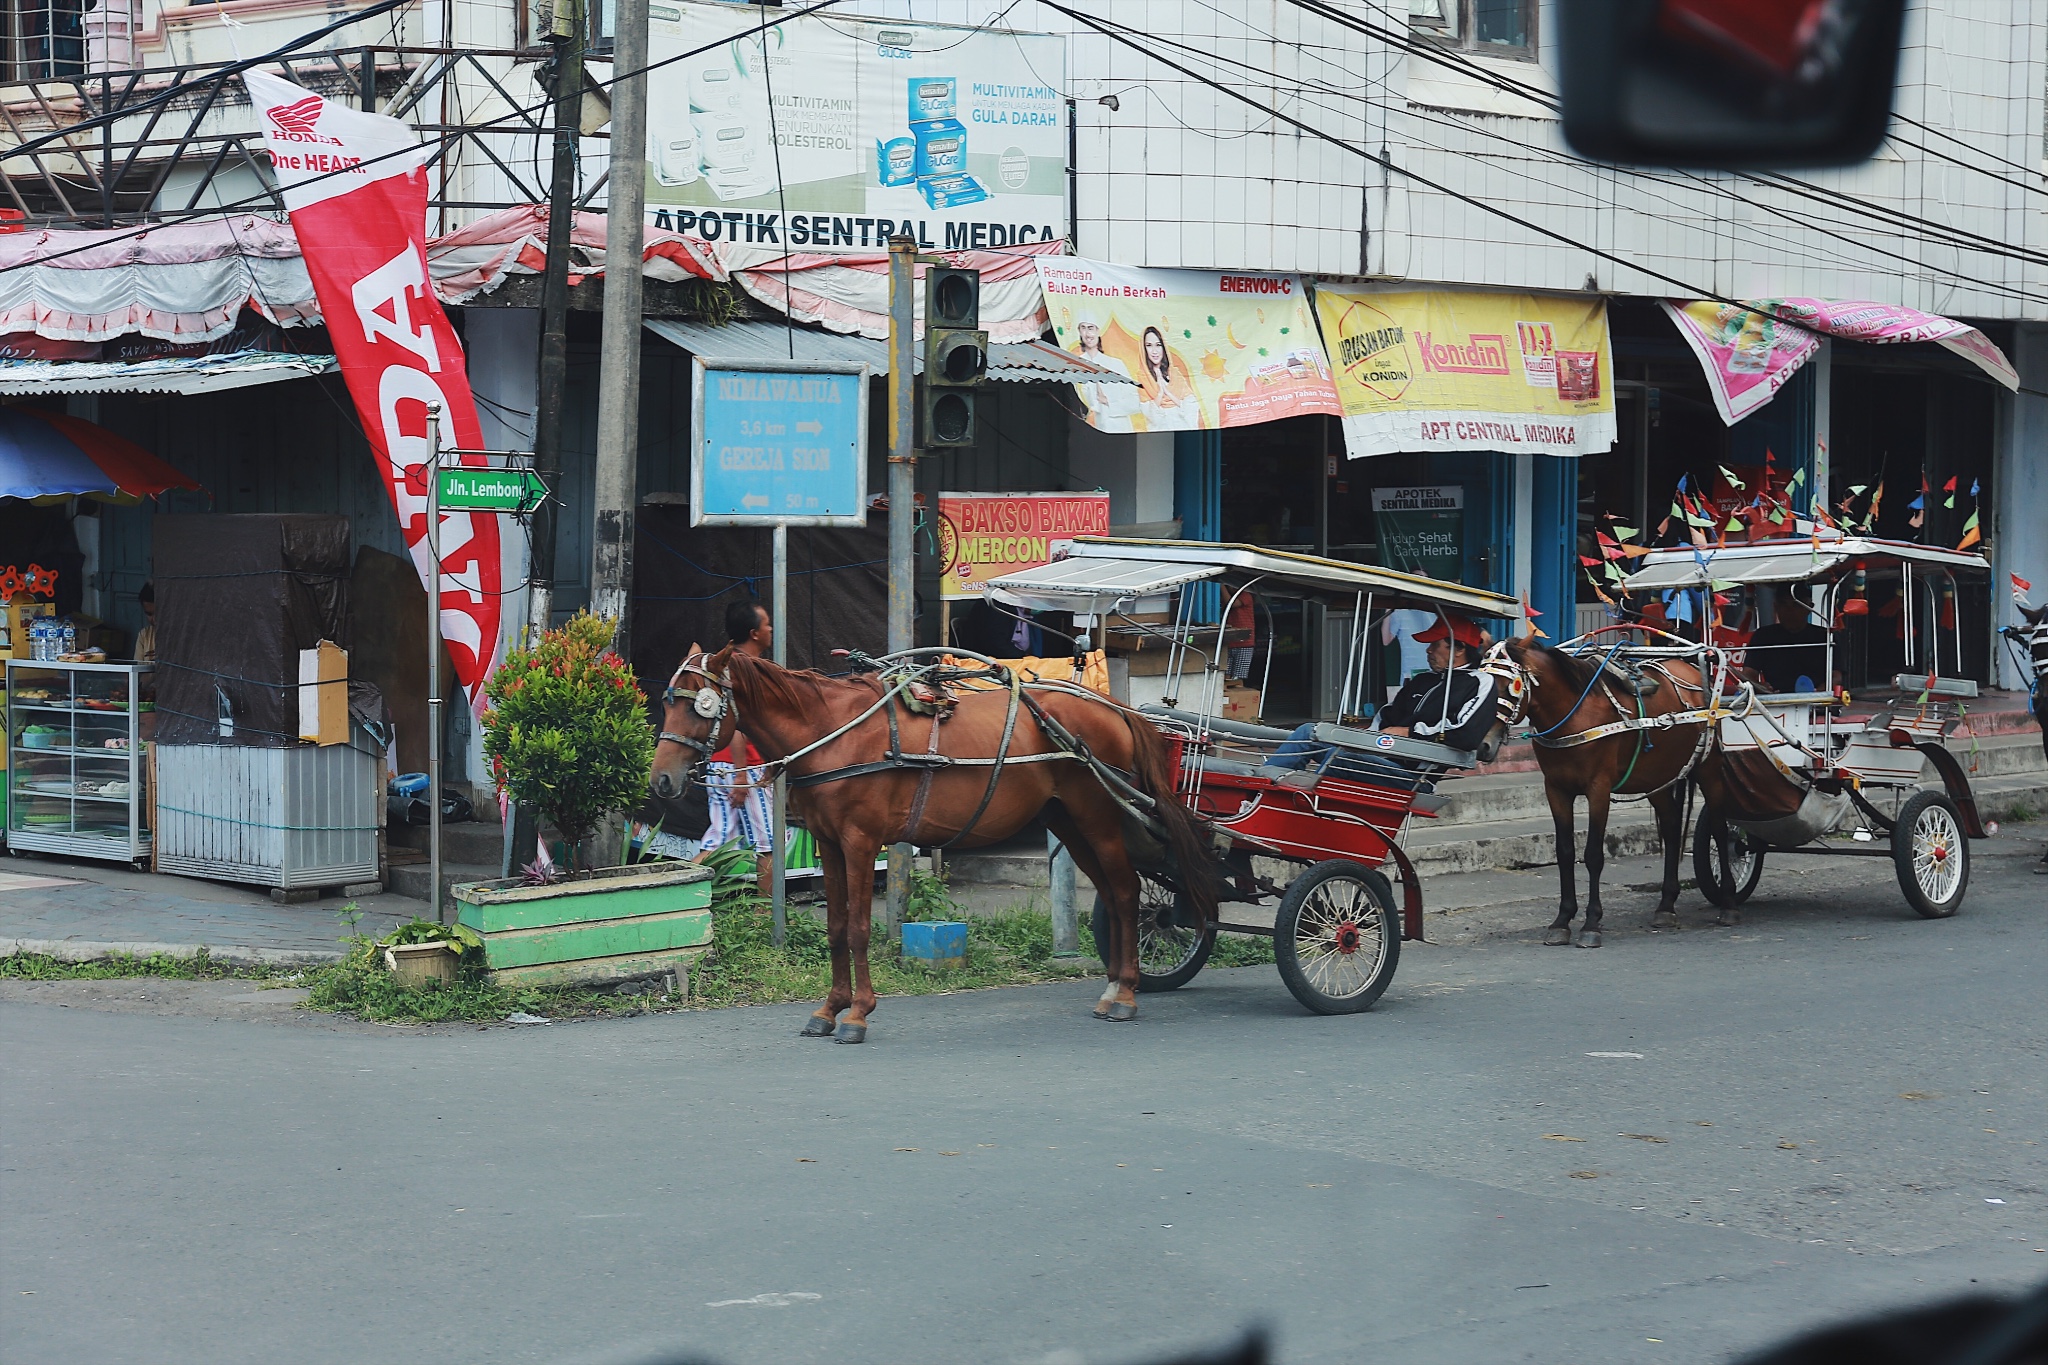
40,39
1500,28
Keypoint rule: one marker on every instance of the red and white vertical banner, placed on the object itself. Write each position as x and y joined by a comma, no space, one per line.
356,186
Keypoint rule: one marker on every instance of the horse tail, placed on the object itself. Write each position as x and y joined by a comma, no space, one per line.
1190,851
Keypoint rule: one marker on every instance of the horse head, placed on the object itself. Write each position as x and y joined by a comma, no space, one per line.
698,718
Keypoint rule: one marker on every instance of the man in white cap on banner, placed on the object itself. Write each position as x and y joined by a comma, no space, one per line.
1110,406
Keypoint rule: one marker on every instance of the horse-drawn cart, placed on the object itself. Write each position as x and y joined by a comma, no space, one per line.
1329,799
1789,768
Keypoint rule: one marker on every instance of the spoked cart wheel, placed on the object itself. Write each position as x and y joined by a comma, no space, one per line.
1170,949
1931,855
1337,938
1726,863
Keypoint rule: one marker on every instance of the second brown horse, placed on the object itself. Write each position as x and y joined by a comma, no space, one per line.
854,817
1568,695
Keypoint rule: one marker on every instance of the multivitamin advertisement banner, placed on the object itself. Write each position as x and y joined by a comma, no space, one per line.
1452,369
1207,348
830,133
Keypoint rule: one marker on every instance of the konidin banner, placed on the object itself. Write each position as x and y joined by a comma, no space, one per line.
830,133
991,535
1207,348
1454,369
357,192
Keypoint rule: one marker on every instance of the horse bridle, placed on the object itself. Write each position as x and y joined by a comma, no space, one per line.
1516,682
713,702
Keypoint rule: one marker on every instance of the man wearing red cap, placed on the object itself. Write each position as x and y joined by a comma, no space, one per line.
1450,704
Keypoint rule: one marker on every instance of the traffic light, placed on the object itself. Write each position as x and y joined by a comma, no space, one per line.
955,355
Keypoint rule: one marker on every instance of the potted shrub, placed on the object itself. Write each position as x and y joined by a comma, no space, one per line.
567,734
424,951
566,729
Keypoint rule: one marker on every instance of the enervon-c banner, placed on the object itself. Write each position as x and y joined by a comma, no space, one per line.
1207,348
357,192
1440,369
1750,350
990,535
830,133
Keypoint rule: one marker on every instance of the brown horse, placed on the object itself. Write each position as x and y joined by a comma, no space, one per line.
855,815
1564,697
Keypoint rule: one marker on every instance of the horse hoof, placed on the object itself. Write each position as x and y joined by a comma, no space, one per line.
1558,937
1728,918
851,1033
1589,938
1664,919
1120,1013
819,1026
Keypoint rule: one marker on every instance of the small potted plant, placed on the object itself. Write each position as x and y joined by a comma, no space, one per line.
422,951
567,734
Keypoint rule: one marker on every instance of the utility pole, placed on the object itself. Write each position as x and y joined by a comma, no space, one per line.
902,495
618,392
553,381
567,39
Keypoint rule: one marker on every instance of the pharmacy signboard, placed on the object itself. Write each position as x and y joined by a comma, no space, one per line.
954,135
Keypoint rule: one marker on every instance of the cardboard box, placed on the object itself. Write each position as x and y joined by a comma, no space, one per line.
14,619
1241,703
934,97
895,161
323,694
941,150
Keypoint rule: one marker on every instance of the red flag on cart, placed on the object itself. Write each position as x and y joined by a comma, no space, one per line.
356,187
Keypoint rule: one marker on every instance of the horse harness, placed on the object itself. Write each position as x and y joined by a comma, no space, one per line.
922,688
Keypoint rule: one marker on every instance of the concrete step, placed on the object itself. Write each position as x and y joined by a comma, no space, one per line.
412,880
467,841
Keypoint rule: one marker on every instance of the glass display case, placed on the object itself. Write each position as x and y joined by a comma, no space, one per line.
75,769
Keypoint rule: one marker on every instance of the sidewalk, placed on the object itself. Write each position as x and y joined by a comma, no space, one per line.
79,910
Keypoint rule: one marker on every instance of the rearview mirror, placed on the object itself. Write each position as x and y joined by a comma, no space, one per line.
1728,84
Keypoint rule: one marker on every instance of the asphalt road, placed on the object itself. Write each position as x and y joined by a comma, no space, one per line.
1833,1108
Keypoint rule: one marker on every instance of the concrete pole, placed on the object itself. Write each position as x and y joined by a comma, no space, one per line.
618,392
1066,914
902,497
778,865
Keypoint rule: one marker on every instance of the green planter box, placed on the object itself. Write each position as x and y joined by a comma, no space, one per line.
619,923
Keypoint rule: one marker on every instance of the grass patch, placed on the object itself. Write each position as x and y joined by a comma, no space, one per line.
1241,950
744,967
200,966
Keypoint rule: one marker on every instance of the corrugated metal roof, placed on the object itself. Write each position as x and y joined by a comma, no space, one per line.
1009,362
167,374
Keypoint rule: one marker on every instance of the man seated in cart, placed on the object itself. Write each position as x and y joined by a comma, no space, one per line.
1451,703
1789,655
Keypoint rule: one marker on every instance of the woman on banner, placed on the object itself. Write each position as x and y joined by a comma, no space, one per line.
1169,401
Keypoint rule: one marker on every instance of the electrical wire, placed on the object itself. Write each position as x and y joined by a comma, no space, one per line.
1938,237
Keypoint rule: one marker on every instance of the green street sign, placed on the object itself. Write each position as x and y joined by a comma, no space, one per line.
491,490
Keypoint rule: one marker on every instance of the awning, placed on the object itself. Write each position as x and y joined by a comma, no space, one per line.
1333,580
47,455
1788,562
1009,362
169,374
1097,587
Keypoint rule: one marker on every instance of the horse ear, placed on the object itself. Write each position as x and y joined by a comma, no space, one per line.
693,651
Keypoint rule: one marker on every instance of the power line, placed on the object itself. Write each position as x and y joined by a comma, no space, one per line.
1934,233
438,146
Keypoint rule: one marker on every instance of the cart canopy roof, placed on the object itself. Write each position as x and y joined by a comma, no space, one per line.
1789,561
1113,573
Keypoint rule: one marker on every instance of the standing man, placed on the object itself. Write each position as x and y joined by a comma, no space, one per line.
735,787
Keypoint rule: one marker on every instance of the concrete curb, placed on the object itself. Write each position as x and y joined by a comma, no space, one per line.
85,950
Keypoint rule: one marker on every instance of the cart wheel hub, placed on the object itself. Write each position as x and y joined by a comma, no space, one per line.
1940,852
1347,937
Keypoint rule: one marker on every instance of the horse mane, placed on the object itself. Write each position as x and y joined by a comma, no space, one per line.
801,691
1576,671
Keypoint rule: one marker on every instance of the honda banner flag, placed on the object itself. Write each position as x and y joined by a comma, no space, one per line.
356,186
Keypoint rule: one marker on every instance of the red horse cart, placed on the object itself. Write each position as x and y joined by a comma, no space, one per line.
1304,817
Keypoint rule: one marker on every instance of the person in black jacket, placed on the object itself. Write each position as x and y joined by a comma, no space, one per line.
1450,704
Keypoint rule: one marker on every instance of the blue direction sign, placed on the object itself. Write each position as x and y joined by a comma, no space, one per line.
779,442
